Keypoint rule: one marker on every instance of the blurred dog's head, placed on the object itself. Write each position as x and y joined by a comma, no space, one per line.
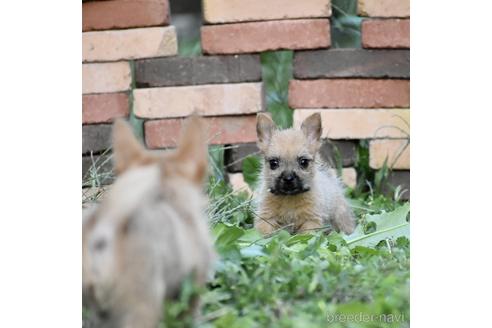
289,154
145,181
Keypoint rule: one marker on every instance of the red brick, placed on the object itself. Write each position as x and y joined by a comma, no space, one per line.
103,108
221,130
384,8
230,11
386,33
106,15
263,36
349,93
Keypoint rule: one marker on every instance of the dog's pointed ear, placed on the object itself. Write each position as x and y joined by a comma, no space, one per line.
191,157
311,127
127,150
264,130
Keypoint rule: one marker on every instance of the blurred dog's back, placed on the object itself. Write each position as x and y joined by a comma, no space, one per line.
149,233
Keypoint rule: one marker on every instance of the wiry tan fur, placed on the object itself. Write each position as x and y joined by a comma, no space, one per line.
323,204
149,233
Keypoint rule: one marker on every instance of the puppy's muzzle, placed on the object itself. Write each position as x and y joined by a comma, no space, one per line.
288,183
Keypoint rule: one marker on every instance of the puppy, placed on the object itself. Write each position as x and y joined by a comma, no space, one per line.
296,191
149,233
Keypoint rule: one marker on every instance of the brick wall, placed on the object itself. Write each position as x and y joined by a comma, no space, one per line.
363,93
387,26
115,34
130,65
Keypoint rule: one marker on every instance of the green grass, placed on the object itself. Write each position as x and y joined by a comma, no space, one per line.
305,280
311,280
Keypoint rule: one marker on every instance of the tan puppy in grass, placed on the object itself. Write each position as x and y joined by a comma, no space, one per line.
296,191
149,233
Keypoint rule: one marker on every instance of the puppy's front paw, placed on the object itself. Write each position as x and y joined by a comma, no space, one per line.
265,227
343,219
310,226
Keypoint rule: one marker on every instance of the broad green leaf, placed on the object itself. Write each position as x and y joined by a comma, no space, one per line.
387,220
250,235
303,238
365,250
388,225
217,230
252,251
229,235
251,170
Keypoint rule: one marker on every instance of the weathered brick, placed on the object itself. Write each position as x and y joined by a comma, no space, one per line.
238,184
348,176
106,77
349,93
207,100
384,8
395,179
234,156
263,36
129,44
104,107
233,11
385,33
333,63
393,149
346,149
360,123
176,71
106,15
97,167
221,130
96,138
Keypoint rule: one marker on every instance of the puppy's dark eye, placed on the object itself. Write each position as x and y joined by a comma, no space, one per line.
274,163
100,245
303,162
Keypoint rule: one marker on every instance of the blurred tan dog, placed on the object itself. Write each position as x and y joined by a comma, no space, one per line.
149,233
296,190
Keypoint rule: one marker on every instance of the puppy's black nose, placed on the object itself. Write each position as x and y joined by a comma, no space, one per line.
289,177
